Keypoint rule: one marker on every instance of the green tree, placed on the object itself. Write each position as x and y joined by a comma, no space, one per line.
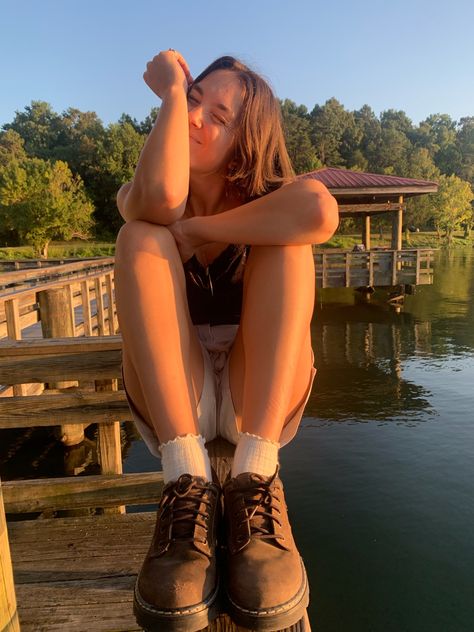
396,119
365,155
39,126
391,155
329,122
465,143
79,136
146,125
452,205
41,201
12,147
118,154
420,208
297,136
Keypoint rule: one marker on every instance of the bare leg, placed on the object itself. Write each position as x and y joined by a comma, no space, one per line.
271,358
162,357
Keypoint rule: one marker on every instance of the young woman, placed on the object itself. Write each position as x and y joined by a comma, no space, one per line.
215,287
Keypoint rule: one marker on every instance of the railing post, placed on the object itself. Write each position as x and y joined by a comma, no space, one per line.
86,307
110,302
8,612
99,302
12,315
56,322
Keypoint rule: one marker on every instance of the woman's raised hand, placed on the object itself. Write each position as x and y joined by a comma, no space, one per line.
165,70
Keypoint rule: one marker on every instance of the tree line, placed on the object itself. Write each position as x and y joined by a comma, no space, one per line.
60,173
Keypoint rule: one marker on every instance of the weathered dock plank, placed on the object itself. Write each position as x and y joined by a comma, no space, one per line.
78,574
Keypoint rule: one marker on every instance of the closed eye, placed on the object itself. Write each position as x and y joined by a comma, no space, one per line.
221,120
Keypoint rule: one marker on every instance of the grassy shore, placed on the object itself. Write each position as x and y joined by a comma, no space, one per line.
415,240
78,249
61,250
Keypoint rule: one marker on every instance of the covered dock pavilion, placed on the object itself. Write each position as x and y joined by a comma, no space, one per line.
367,194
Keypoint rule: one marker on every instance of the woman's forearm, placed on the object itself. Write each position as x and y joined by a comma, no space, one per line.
303,212
161,183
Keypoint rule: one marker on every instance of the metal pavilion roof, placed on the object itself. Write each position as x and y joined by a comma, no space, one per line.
346,183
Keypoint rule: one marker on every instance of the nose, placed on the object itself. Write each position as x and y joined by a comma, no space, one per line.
195,116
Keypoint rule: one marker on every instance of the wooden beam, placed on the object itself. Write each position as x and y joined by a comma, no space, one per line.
83,491
8,612
29,411
39,346
67,366
357,209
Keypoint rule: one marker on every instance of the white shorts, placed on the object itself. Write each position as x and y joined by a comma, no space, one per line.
215,410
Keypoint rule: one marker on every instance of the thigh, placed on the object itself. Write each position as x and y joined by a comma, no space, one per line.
237,375
159,239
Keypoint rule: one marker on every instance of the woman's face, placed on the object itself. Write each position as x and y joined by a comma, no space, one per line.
213,108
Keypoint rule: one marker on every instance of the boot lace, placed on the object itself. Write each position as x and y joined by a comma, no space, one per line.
180,511
259,501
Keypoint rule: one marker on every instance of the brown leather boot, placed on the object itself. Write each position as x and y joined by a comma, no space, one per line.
266,583
178,585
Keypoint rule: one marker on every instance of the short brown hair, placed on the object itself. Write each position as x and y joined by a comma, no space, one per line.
261,163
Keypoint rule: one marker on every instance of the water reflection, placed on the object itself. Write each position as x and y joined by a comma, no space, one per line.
359,353
363,350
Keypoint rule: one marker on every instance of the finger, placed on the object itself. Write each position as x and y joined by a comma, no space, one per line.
182,62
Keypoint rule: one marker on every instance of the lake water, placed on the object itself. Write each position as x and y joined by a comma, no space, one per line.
380,477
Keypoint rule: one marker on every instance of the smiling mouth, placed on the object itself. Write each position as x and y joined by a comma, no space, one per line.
196,141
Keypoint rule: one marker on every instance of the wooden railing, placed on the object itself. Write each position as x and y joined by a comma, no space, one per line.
384,268
92,293
25,276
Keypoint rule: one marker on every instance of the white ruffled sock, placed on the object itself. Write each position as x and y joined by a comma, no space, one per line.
185,455
255,454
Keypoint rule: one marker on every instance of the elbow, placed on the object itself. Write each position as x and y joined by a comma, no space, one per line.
324,211
154,205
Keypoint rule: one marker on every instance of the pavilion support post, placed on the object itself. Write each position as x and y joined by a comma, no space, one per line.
366,232
397,222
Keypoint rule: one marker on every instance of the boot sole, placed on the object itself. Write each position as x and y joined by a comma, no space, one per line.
276,618
188,619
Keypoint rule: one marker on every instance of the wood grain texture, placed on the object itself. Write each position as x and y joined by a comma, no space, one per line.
8,608
63,408
59,367
83,491
39,346
78,574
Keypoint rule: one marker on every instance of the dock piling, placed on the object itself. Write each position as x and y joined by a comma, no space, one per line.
57,322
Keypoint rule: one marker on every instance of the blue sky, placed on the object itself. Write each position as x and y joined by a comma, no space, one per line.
415,56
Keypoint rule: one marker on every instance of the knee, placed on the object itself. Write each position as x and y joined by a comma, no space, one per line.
139,235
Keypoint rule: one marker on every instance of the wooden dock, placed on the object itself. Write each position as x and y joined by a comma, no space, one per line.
77,573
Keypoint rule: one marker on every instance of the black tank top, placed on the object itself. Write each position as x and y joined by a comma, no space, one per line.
215,293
